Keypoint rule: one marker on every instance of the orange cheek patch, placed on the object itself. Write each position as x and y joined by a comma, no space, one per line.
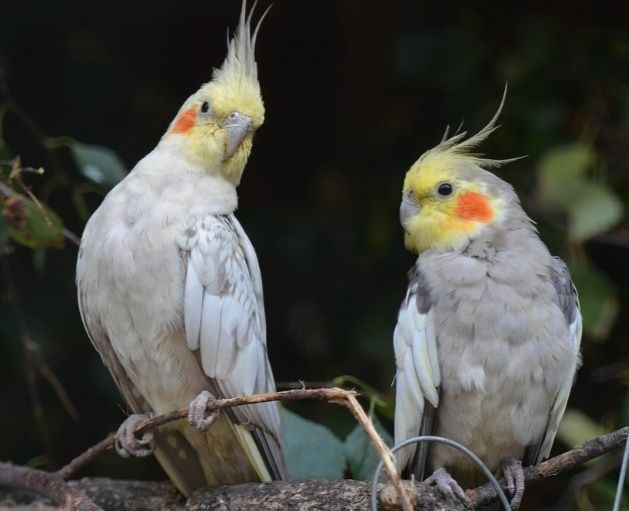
474,206
185,121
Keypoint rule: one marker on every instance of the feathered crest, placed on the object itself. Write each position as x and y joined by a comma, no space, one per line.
240,65
457,147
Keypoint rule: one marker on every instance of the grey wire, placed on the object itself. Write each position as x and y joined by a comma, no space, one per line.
501,494
621,479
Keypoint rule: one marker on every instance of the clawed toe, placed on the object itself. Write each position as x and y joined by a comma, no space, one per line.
127,444
446,484
514,475
197,415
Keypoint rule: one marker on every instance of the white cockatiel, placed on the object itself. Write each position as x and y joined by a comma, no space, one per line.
170,290
487,338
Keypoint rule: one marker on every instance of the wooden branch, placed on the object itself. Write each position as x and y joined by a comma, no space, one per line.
332,395
553,466
390,496
46,484
68,471
329,495
341,495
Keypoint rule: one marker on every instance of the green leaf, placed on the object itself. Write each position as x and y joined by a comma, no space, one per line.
99,164
359,451
37,461
382,403
96,163
593,212
599,304
32,225
312,450
562,173
576,428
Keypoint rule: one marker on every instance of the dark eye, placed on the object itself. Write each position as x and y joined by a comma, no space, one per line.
205,107
444,189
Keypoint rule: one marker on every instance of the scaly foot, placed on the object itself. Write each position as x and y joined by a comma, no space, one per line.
127,444
446,484
197,415
514,474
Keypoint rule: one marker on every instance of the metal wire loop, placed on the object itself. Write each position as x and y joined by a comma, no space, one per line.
621,478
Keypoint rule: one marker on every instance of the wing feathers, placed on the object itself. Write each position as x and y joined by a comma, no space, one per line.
418,375
568,302
193,298
210,333
224,320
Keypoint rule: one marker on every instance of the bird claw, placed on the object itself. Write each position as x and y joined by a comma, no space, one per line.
446,484
127,443
514,475
197,412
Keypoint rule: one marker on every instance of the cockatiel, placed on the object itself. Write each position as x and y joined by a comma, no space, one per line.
170,290
487,338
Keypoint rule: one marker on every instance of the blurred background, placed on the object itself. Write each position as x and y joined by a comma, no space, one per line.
355,92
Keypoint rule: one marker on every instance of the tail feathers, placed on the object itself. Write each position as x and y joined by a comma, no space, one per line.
180,461
273,452
226,454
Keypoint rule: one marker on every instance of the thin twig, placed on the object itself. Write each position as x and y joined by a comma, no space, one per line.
71,237
7,191
566,461
291,385
28,121
30,363
45,370
381,448
46,484
68,471
333,395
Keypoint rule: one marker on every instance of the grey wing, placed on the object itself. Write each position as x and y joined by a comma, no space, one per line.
418,374
224,321
567,300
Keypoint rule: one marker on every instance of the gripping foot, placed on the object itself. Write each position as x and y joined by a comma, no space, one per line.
127,444
197,415
514,474
446,484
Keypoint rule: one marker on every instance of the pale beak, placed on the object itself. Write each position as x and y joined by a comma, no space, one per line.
408,207
236,126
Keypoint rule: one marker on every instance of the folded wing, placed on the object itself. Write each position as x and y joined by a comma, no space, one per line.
418,375
224,323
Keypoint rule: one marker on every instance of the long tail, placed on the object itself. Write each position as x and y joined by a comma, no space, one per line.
226,454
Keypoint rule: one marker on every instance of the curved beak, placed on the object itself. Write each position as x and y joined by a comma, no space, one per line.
236,126
408,207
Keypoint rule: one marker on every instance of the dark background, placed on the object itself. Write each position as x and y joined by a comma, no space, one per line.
355,91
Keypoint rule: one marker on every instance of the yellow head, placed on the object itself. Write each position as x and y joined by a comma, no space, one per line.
215,126
449,198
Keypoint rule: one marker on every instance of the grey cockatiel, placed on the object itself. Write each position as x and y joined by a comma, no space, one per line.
487,338
170,290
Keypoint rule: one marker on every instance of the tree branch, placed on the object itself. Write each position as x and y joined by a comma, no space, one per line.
561,463
419,496
46,484
333,395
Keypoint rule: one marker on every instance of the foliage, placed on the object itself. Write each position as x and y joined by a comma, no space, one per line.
315,452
